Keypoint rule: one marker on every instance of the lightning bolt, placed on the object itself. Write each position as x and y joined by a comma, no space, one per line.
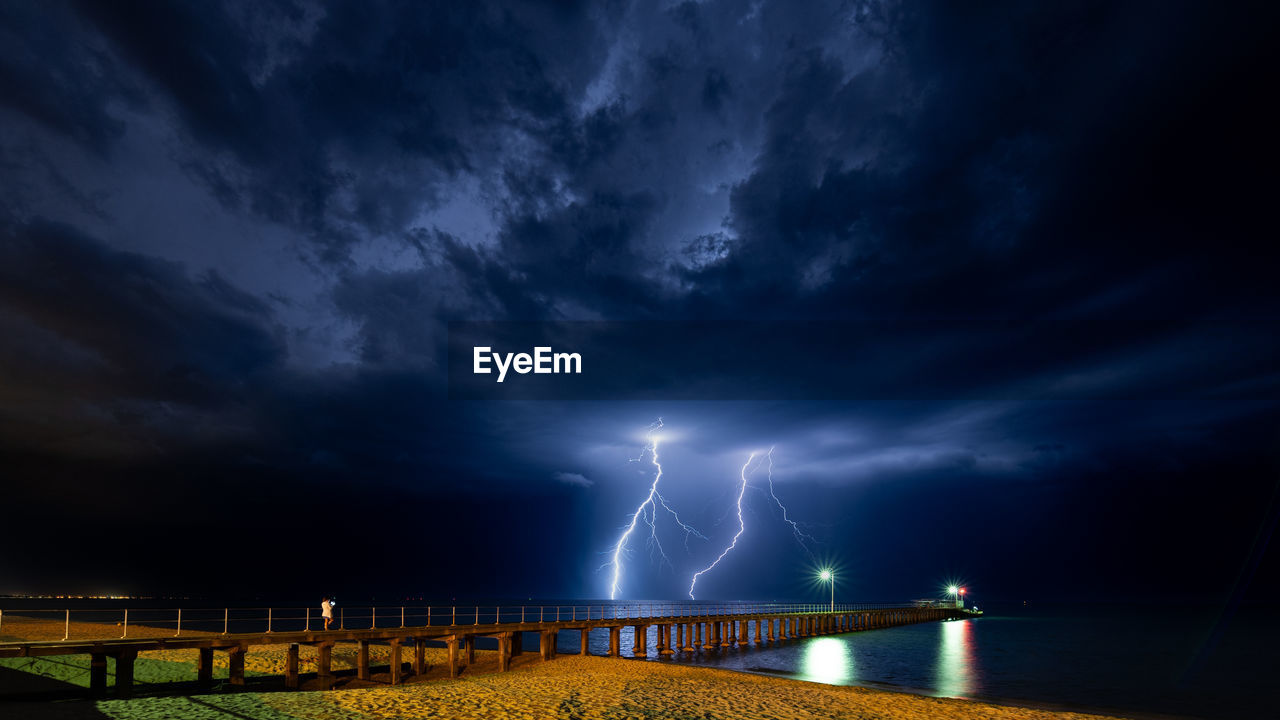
648,513
800,535
742,489
795,528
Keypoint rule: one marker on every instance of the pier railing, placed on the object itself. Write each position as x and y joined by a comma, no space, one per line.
93,624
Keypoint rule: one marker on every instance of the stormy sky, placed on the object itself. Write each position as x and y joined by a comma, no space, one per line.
996,282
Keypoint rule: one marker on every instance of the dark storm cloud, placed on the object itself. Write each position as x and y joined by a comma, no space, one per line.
1034,231
100,337
338,120
50,74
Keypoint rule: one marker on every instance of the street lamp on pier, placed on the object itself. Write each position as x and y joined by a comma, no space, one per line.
829,577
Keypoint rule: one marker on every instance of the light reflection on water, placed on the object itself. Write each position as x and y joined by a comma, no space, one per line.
827,660
955,667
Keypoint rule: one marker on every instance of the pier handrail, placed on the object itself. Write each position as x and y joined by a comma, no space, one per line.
227,620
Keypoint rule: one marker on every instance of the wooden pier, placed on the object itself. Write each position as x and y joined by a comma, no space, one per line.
672,633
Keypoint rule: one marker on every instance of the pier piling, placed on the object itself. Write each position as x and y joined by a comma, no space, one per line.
124,672
235,665
324,665
204,668
98,674
397,664
451,643
290,665
362,659
504,652
547,644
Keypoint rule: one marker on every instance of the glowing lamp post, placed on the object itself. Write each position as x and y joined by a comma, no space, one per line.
960,602
829,577
954,591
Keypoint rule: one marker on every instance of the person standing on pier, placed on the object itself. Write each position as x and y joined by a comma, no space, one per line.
326,611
